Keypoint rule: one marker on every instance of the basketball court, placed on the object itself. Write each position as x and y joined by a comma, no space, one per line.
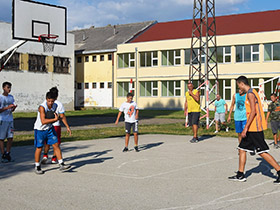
167,173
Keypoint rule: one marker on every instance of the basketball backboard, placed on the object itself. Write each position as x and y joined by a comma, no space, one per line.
32,19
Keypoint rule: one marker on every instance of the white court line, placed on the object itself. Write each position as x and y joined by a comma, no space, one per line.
133,161
216,201
187,167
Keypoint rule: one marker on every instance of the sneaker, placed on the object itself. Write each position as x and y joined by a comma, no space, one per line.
38,170
44,160
125,149
194,140
277,181
54,160
238,177
64,167
4,158
136,149
276,146
252,153
216,131
227,129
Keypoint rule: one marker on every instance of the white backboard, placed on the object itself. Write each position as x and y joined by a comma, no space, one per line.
31,19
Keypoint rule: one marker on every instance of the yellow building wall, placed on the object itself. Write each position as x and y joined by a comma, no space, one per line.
260,69
99,71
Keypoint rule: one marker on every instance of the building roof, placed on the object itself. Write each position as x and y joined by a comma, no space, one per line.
225,25
102,39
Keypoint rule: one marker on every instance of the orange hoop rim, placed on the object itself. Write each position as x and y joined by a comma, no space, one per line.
47,36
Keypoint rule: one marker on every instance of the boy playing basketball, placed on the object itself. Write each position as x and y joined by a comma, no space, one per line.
44,132
7,106
252,134
131,112
57,127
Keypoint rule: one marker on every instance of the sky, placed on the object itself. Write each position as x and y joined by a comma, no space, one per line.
86,13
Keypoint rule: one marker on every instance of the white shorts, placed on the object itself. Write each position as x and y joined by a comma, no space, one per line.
6,129
220,117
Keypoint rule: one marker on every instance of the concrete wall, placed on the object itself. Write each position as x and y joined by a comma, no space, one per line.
29,88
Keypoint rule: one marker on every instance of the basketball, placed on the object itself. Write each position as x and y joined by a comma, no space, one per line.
50,114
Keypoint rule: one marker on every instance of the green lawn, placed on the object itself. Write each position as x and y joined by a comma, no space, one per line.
171,129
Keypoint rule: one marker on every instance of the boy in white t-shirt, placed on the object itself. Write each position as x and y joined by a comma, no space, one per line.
131,112
7,106
57,127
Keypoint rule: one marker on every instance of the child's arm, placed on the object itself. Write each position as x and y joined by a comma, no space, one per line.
137,114
43,117
267,116
7,107
64,120
118,118
231,108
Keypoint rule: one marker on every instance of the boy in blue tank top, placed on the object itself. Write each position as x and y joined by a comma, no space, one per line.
240,117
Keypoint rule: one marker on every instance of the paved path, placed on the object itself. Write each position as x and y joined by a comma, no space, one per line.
25,126
168,173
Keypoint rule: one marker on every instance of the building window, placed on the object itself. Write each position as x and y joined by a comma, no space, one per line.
126,60
109,84
149,88
94,85
223,54
122,88
79,86
171,57
247,53
148,59
109,57
61,65
101,57
79,59
13,63
254,83
225,89
171,88
272,52
37,63
86,86
195,56
86,58
269,87
102,85
94,59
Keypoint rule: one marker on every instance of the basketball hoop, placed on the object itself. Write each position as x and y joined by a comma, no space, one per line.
48,41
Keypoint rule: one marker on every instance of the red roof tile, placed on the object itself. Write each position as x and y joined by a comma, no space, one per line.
230,24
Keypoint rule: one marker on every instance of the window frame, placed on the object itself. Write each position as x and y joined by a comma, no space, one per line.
153,88
175,57
130,60
174,88
252,53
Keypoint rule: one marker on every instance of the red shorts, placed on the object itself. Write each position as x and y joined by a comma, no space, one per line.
58,132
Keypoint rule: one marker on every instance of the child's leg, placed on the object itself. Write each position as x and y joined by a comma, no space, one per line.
239,138
38,154
9,144
57,151
275,138
217,125
270,160
127,135
136,139
242,160
46,148
2,146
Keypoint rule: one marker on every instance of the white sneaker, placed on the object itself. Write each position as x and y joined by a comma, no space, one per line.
216,131
227,129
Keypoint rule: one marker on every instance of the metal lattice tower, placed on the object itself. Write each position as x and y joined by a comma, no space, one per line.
203,56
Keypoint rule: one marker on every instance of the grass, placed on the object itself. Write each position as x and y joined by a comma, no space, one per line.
100,133
171,114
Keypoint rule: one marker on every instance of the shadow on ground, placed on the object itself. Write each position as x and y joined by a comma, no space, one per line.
264,168
24,160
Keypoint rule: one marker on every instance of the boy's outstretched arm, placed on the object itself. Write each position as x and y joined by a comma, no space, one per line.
118,118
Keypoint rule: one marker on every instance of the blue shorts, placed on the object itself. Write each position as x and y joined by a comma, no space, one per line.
45,136
239,126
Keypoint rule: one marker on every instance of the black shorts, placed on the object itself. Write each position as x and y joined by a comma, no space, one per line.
134,127
254,141
275,126
193,118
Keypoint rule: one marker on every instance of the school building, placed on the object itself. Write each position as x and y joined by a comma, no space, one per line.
158,59
95,50
33,72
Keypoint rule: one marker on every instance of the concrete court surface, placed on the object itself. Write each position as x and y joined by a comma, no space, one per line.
168,173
